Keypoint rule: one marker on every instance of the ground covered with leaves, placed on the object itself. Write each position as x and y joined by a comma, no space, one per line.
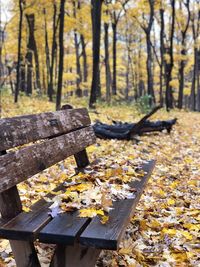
165,230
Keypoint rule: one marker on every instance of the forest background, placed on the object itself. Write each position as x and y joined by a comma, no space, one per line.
144,51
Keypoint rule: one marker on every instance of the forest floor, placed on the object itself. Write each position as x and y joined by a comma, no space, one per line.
165,230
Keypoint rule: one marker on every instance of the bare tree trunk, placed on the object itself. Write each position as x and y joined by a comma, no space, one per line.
23,76
147,31
85,70
61,54
150,89
46,49
78,66
162,51
29,75
53,55
114,78
10,79
19,50
183,54
169,65
33,46
107,63
96,34
198,81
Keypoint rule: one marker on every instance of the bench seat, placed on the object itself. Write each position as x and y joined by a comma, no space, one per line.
68,228
32,143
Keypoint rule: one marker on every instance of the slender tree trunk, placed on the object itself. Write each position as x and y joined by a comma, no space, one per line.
127,79
61,54
37,68
19,50
29,77
150,89
194,78
181,77
107,63
23,76
10,79
33,46
162,51
147,30
53,55
141,86
169,65
183,54
198,81
85,70
78,66
114,78
96,34
46,48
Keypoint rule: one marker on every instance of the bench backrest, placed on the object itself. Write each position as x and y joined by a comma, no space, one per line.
61,134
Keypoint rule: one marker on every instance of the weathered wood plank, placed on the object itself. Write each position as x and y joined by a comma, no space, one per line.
74,256
109,235
63,229
24,163
82,159
10,205
26,226
21,130
24,253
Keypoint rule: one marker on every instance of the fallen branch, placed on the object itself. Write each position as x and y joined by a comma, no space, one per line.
127,131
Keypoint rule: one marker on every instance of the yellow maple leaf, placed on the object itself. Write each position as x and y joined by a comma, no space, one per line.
104,219
170,201
80,187
186,234
90,212
26,209
169,231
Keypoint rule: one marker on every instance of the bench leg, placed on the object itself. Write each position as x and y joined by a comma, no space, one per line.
24,254
74,256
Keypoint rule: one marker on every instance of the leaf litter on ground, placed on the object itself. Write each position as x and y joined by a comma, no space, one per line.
165,230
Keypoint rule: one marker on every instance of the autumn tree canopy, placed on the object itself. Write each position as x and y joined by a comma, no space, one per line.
112,50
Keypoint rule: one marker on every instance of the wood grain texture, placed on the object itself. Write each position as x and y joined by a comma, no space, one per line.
21,130
81,159
74,256
64,229
26,226
24,252
10,205
18,166
108,236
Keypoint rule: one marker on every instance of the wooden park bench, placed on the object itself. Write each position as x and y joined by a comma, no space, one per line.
78,241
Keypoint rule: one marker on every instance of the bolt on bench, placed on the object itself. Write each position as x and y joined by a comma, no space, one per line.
78,241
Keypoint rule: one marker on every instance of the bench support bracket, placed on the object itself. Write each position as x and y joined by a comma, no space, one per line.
74,256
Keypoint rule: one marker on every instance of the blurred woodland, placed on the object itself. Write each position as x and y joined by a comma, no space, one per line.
111,50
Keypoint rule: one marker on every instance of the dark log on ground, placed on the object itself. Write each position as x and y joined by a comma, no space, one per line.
126,131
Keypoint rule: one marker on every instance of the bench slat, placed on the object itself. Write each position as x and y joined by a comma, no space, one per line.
63,229
18,166
109,235
26,226
21,130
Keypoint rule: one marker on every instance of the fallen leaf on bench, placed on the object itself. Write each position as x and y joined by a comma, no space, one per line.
81,187
90,212
55,207
26,209
106,202
104,219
